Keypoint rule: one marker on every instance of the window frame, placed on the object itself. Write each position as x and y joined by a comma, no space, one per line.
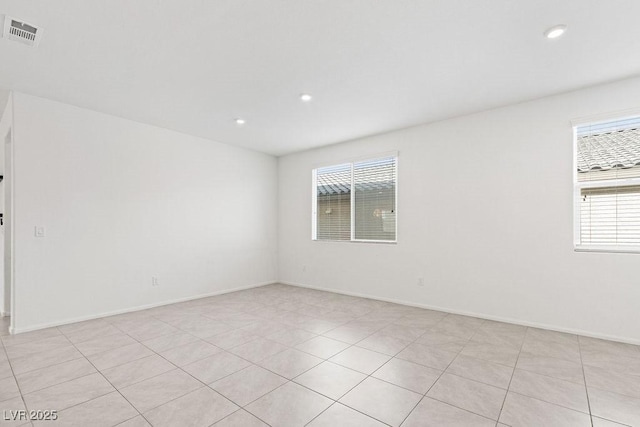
578,186
314,199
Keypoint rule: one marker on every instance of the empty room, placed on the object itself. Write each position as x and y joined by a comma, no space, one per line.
323,213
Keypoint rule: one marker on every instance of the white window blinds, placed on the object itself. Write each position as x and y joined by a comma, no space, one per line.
333,194
374,183
610,216
356,201
608,184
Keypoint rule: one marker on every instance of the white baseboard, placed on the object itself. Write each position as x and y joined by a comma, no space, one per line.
473,314
13,331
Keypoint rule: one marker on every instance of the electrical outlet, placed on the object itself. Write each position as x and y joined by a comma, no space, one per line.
304,268
39,231
154,281
420,281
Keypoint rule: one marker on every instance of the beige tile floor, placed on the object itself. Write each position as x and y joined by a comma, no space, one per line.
286,356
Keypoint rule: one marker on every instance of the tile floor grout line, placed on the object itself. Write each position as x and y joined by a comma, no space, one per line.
202,382
129,419
549,376
128,361
414,341
524,339
551,403
92,337
335,401
15,378
24,403
61,382
81,356
240,409
457,407
81,403
236,372
341,396
114,387
289,379
475,381
147,378
424,395
176,368
256,415
257,398
616,393
4,338
275,373
584,377
31,342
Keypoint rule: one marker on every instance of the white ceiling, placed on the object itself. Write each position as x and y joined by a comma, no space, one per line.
372,66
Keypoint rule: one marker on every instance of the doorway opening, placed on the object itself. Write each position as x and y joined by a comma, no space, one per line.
6,300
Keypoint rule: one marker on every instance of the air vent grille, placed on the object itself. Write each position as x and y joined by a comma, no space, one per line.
22,32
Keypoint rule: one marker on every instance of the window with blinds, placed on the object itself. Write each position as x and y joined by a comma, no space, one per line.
356,201
607,185
333,193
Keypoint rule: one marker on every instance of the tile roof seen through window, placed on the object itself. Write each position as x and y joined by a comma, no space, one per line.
609,150
370,175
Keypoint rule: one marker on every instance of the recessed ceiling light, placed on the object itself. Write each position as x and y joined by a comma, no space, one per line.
555,31
305,97
240,121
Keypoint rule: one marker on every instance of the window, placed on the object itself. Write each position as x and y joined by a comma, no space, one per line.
607,186
356,201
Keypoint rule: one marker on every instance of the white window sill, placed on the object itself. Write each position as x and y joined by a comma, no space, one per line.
609,249
377,242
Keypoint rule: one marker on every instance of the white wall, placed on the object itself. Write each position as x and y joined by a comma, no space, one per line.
122,202
485,215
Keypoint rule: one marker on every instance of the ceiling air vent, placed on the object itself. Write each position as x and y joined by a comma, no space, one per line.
22,32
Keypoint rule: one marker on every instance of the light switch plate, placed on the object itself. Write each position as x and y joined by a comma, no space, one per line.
39,231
